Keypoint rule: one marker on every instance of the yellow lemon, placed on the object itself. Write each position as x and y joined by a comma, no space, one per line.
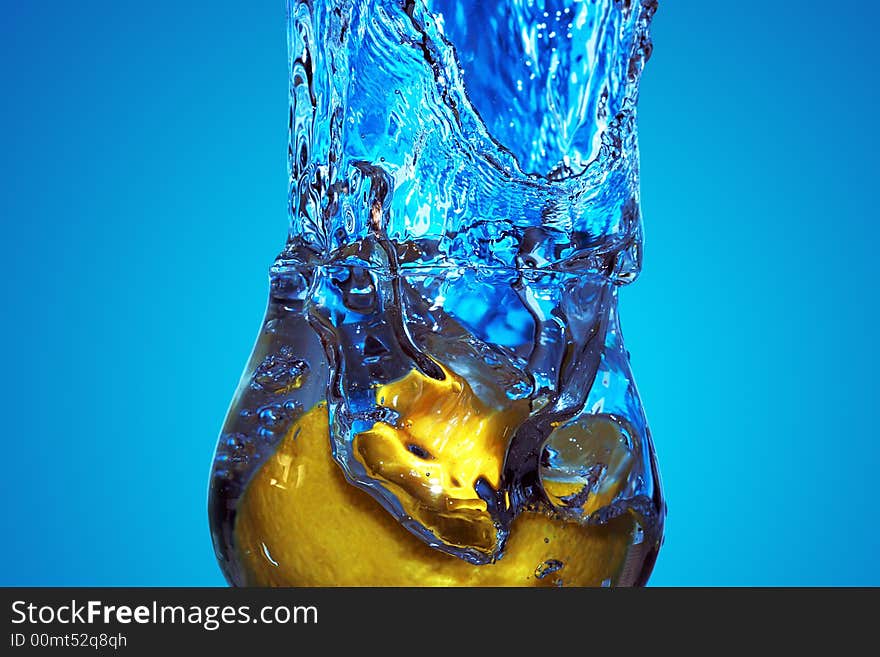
300,523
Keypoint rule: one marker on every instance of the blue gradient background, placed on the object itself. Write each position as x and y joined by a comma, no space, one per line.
143,177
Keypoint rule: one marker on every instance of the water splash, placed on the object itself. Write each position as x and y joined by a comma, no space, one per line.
429,146
464,209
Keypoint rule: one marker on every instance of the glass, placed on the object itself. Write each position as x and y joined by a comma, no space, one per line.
440,394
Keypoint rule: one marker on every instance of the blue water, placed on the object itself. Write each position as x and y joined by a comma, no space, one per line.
494,133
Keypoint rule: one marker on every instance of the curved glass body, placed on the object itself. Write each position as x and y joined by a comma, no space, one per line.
440,394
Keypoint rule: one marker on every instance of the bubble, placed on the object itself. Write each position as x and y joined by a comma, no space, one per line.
275,419
280,372
234,455
588,463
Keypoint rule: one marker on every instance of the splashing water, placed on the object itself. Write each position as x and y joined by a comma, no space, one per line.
464,208
397,130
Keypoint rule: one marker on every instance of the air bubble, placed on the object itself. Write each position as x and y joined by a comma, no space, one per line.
280,372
